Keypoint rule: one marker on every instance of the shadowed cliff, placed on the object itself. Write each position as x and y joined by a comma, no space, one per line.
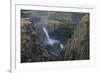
77,47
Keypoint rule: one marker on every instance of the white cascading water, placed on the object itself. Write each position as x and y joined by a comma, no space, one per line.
49,40
46,33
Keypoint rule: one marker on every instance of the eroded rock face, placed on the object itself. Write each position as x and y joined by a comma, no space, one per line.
34,53
77,47
31,50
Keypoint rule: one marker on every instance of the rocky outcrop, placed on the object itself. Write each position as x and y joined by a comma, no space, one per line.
31,49
77,47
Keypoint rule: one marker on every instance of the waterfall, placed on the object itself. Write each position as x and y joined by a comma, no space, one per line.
46,33
51,41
